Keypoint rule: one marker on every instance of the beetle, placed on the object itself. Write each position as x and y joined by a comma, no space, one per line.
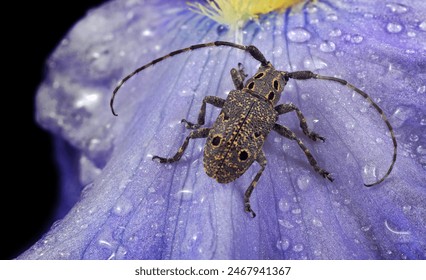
248,114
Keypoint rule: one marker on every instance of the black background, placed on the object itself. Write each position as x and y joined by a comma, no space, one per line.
30,181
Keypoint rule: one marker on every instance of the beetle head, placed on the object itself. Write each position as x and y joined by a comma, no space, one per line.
268,83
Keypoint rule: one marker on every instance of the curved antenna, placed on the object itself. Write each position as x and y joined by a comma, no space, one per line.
304,75
252,50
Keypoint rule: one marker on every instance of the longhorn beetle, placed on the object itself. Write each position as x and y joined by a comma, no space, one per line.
248,114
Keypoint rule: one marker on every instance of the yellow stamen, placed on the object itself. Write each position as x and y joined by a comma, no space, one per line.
234,13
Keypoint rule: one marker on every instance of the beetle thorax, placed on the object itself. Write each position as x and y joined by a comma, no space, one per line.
268,83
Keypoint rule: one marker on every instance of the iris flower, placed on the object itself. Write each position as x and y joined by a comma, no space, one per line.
131,207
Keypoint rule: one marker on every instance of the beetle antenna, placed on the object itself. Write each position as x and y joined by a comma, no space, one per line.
304,75
252,50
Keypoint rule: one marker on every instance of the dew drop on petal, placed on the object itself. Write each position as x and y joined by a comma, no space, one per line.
421,150
147,33
369,173
422,25
314,63
184,195
298,248
349,125
283,244
327,46
332,17
356,39
335,32
400,115
122,207
393,27
406,208
411,34
283,205
397,8
414,137
316,222
285,224
222,29
298,35
303,182
296,211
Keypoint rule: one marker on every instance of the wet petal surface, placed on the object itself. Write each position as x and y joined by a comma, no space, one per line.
134,208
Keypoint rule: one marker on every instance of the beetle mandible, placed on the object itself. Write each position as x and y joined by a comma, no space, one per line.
248,115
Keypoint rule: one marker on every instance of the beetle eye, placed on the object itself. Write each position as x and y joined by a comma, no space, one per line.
243,155
216,140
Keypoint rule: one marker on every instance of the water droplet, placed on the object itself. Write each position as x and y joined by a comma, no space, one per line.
369,173
406,208
147,33
317,252
335,32
303,182
332,17
350,124
296,211
122,207
356,39
327,46
423,121
298,35
283,244
397,8
298,248
414,137
286,224
311,9
421,150
393,27
411,34
222,29
316,222
314,63
422,25
401,114
283,205
366,228
421,89
184,194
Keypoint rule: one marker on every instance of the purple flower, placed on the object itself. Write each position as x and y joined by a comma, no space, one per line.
134,208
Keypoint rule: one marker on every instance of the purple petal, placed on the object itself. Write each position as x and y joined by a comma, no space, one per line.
134,208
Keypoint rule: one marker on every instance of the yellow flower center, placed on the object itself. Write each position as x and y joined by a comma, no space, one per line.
234,13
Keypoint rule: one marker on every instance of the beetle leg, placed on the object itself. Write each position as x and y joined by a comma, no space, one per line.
213,100
238,76
261,159
289,107
286,132
198,133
